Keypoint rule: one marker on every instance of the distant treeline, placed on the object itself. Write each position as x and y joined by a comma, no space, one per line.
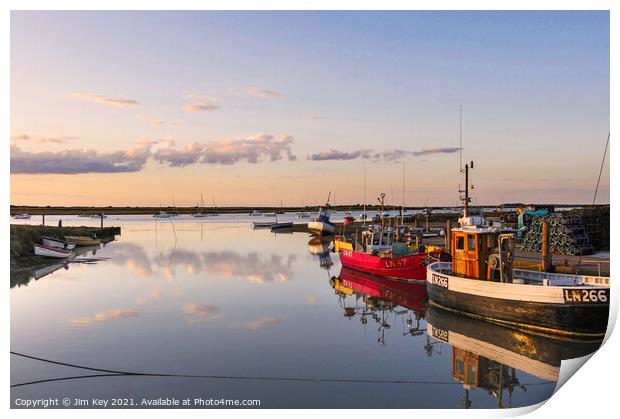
78,210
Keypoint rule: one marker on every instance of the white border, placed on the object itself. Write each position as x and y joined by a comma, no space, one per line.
590,393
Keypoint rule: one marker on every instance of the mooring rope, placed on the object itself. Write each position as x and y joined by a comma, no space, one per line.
115,373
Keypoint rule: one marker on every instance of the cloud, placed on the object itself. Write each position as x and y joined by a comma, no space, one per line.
386,155
251,149
339,155
22,137
391,155
103,316
104,100
195,313
200,107
440,150
157,122
258,323
314,116
255,92
43,140
146,141
79,161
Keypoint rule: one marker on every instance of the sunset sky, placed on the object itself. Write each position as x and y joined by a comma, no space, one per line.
251,108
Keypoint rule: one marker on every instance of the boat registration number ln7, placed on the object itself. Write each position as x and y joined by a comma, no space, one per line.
585,295
439,280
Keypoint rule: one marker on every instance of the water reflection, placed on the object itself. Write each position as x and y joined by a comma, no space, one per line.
490,357
373,297
180,297
321,247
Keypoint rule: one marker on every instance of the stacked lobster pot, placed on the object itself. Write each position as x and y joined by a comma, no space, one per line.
567,235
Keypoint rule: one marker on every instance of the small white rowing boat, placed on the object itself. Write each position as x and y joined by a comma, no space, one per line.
51,251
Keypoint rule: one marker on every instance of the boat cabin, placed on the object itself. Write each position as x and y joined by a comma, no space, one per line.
482,251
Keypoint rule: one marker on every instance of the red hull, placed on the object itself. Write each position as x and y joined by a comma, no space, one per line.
404,293
412,267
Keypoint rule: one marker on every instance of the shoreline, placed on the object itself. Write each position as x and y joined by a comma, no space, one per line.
111,210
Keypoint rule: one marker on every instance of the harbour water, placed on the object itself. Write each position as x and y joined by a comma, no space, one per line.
228,312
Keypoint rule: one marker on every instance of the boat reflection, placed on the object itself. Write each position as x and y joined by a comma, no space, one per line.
380,297
321,247
488,357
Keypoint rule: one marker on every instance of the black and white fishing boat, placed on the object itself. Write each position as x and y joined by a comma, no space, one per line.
322,225
481,283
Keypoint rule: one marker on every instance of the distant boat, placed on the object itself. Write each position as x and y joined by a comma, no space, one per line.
83,240
51,251
303,214
162,214
348,219
322,225
262,224
54,242
269,214
23,216
102,215
84,215
256,213
201,214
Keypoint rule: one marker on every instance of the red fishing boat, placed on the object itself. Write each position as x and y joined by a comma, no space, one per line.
380,254
348,219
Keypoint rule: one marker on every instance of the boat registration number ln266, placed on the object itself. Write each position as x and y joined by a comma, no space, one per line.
440,334
439,280
585,295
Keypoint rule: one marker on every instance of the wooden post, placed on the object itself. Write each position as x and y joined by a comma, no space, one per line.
60,223
448,237
43,219
101,215
546,254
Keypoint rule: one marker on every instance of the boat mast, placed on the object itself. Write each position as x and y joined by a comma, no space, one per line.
364,192
466,199
402,210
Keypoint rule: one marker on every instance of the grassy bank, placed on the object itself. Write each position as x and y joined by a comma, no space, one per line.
23,237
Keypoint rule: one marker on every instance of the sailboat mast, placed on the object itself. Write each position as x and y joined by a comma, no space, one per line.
364,192
402,211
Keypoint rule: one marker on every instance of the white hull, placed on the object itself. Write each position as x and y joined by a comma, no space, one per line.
321,227
50,252
550,289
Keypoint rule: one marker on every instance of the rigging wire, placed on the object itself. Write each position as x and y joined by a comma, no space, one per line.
601,170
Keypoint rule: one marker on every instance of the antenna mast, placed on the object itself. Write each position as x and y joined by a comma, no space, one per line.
461,137
466,199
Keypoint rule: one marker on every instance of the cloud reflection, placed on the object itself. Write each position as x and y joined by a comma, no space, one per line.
258,323
198,313
103,316
227,263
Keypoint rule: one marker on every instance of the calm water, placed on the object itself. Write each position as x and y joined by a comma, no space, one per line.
217,298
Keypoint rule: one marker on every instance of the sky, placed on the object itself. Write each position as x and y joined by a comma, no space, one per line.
258,108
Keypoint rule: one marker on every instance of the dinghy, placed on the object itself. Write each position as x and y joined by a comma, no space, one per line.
54,242
51,251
